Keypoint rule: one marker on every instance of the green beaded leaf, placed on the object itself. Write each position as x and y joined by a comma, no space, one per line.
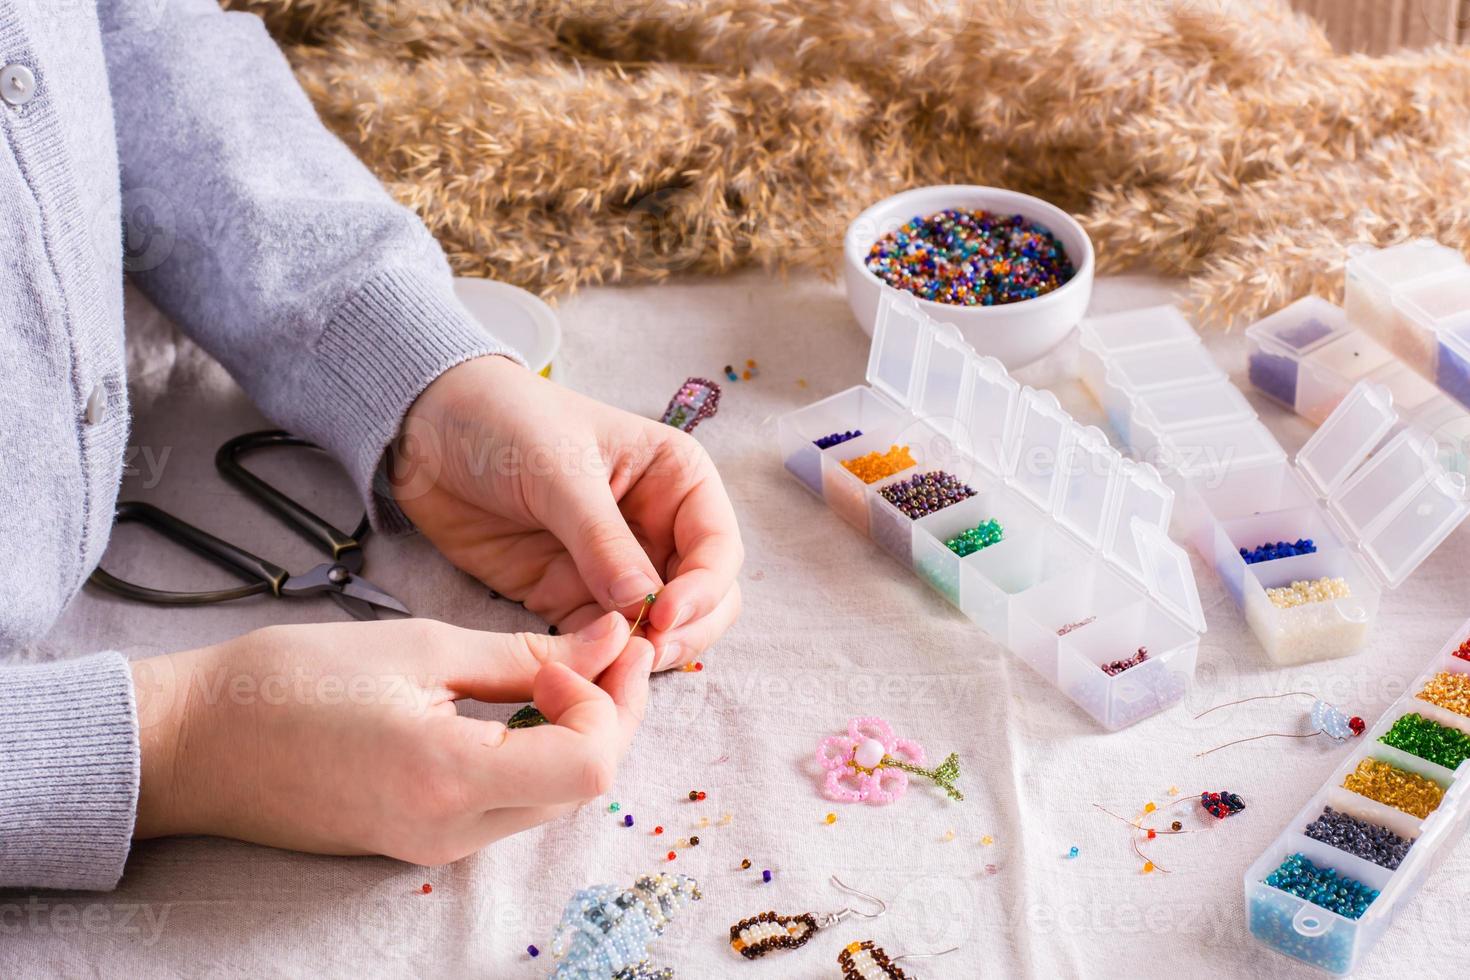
528,717
943,774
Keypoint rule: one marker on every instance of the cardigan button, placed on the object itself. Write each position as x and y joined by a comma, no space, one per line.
17,84
96,405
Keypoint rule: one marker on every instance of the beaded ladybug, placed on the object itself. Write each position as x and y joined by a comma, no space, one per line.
1221,805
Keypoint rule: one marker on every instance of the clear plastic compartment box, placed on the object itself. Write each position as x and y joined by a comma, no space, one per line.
1319,936
1085,549
1375,493
1374,503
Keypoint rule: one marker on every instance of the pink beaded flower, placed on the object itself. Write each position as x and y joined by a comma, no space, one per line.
868,764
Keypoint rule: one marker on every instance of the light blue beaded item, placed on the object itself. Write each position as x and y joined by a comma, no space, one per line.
605,931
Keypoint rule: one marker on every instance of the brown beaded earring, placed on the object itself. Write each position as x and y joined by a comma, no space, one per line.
859,961
760,934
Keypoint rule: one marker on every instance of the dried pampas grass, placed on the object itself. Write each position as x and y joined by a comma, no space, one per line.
553,144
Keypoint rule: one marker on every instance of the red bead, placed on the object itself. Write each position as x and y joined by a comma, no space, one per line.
698,665
658,830
672,855
1356,724
1151,835
427,888
701,794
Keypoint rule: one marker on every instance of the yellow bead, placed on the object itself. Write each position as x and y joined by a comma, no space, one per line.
948,836
831,818
987,840
854,948
1149,808
1148,867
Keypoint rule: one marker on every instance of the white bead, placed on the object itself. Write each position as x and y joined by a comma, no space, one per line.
869,753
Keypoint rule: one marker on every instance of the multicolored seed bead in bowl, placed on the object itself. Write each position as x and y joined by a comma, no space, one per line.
1012,272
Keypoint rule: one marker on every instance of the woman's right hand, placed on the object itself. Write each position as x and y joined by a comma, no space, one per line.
344,738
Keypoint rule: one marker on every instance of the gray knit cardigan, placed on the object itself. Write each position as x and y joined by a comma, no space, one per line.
181,128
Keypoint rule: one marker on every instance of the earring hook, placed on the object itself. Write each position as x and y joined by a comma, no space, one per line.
916,956
882,905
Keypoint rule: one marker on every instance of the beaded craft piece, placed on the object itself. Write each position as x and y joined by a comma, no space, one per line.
866,960
696,400
1326,719
767,932
870,765
1219,804
605,930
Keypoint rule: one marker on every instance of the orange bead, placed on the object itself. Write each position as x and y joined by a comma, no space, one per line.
427,888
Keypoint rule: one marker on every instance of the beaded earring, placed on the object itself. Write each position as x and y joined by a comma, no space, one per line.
605,931
867,960
767,932
1326,720
696,400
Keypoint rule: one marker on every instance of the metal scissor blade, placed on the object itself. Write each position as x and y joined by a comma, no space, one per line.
364,591
356,608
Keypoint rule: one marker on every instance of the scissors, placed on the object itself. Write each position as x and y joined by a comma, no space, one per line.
337,578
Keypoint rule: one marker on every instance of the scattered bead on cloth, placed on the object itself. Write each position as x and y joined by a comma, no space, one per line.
606,930
836,438
1270,551
1323,887
1391,786
1359,838
875,466
696,400
1439,744
1324,589
971,258
1448,690
1118,666
926,493
973,539
870,765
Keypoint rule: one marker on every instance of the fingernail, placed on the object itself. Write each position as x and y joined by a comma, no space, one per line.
684,614
632,587
596,630
669,654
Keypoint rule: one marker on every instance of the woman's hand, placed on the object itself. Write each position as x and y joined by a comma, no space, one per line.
344,738
569,505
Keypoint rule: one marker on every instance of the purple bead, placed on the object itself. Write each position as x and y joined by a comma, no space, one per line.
627,820
766,875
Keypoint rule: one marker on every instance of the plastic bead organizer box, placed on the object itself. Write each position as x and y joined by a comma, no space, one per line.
1370,489
1083,577
1387,790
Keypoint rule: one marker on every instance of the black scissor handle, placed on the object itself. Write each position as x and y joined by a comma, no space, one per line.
344,548
264,576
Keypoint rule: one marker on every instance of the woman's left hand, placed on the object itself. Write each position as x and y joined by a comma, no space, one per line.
570,506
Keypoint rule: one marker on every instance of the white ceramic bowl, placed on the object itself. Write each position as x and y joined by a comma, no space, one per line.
1015,333
514,317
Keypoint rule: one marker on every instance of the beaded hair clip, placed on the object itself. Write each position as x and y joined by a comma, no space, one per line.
767,932
696,400
1326,720
867,960
605,930
870,765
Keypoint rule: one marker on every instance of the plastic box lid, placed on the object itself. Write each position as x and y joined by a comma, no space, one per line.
1389,268
1175,366
1187,408
1133,330
1024,438
1299,328
1395,507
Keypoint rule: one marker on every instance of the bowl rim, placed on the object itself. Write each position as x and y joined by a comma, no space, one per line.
1082,275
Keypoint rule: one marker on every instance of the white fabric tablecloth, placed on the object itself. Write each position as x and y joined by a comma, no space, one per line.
832,629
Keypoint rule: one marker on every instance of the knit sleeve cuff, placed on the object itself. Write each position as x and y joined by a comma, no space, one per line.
378,353
68,773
